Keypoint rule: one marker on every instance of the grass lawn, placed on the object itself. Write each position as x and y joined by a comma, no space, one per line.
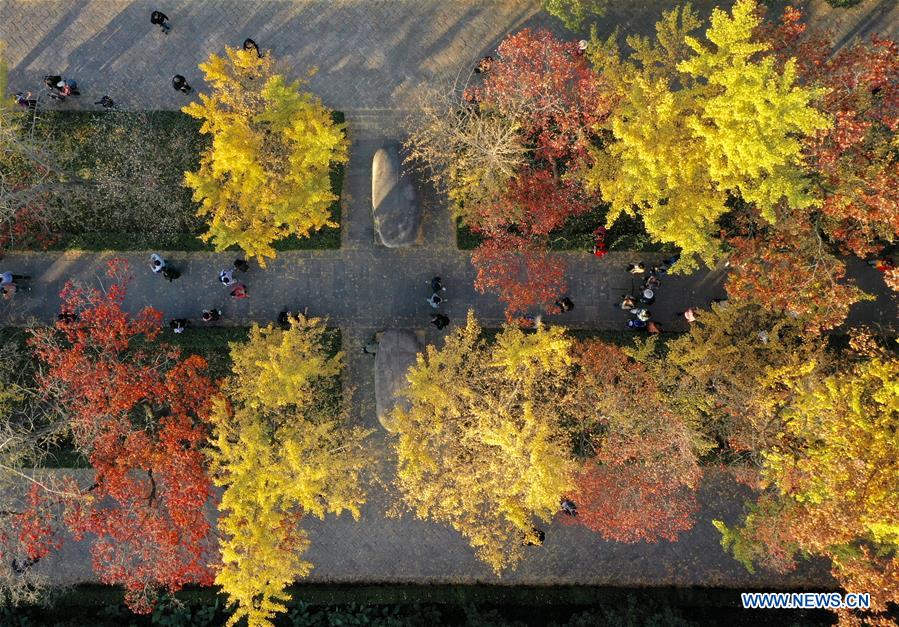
132,165
626,234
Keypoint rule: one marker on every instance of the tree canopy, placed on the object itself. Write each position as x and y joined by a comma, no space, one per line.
481,446
266,175
282,448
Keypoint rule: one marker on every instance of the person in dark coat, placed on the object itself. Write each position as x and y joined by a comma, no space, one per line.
249,44
179,324
179,83
565,304
160,19
440,321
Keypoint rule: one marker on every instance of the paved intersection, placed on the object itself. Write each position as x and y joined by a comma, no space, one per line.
375,54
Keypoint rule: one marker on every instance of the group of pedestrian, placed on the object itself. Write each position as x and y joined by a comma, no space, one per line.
238,290
163,267
537,537
638,304
11,284
61,87
438,319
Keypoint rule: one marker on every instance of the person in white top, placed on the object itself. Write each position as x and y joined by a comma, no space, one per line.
157,263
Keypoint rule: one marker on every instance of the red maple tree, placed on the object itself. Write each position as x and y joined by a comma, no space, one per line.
640,482
520,271
789,268
549,85
136,410
855,160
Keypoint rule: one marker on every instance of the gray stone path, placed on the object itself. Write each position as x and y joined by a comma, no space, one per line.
378,549
371,55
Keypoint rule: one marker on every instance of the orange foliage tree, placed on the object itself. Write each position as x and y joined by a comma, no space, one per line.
640,477
136,411
554,98
520,272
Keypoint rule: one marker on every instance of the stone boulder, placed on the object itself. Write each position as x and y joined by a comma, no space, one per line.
396,352
395,206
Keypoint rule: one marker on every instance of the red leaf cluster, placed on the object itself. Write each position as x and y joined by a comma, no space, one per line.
790,270
137,410
856,159
551,87
641,483
520,272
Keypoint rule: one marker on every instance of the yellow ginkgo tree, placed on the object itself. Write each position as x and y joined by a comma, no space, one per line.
832,478
282,449
266,174
481,446
702,122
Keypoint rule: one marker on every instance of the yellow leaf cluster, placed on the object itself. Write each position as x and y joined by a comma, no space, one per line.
481,446
689,133
840,457
734,370
266,175
281,449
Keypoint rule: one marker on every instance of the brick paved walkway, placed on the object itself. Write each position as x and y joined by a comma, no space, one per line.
374,54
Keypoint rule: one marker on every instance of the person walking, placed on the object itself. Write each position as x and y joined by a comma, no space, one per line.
157,263
636,268
170,273
52,81
179,83
628,302
241,265
179,324
440,321
565,304
371,346
647,297
569,507
239,291
106,102
436,284
666,264
689,315
654,328
212,315
642,314
226,277
24,100
160,19
652,282
8,278
636,323
249,44
434,300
